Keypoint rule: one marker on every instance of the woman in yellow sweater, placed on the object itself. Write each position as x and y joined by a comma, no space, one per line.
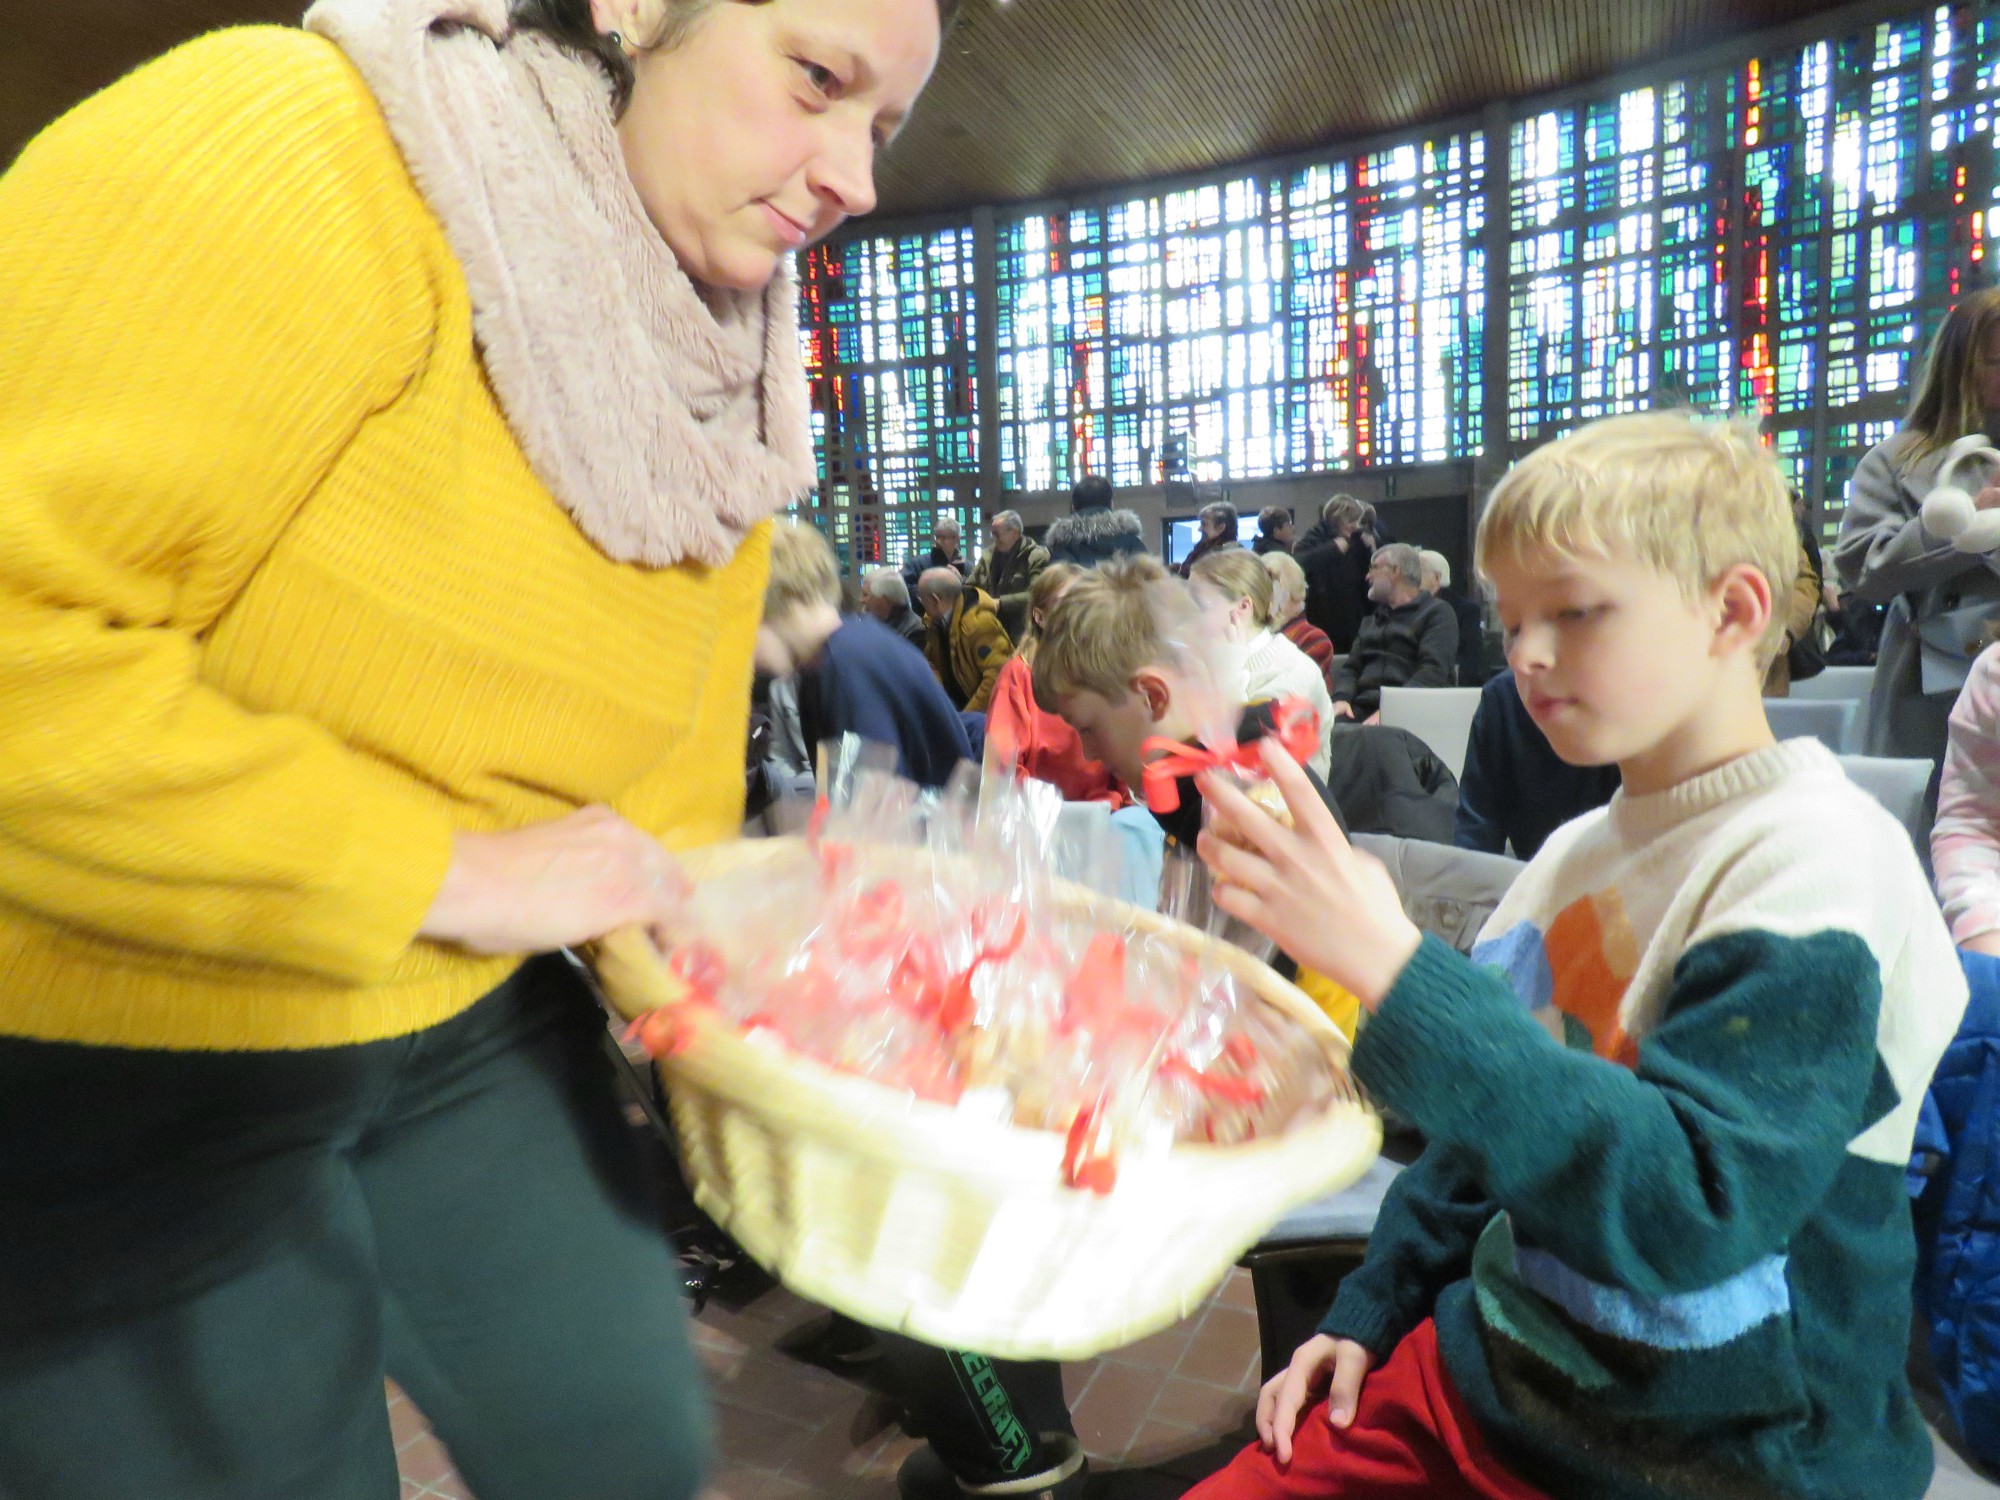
389,411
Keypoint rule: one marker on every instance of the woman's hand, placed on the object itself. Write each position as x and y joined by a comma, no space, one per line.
1343,710
549,885
1306,888
1322,1362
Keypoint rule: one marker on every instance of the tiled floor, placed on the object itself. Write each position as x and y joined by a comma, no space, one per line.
1154,1417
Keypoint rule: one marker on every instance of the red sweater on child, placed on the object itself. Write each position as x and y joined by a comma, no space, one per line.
1041,745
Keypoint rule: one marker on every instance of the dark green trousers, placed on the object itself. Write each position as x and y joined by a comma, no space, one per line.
208,1262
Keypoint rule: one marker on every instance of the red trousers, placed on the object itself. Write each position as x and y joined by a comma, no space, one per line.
1411,1436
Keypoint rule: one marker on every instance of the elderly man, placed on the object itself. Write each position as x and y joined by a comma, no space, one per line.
1471,622
946,552
1410,641
885,596
1009,569
967,644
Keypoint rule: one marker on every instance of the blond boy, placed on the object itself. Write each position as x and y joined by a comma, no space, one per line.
1657,1245
854,675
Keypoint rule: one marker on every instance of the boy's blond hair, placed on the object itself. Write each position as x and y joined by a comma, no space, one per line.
1110,624
1688,495
803,570
1238,574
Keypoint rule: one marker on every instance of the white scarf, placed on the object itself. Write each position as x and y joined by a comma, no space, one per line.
666,424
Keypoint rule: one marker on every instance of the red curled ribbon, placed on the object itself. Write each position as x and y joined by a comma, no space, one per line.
1294,724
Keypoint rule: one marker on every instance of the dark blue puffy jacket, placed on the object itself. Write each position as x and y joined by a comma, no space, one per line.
1955,1180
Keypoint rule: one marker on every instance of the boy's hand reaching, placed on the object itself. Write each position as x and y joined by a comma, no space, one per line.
1307,889
1339,1365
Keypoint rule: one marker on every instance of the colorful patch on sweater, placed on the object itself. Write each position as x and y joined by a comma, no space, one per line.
1576,974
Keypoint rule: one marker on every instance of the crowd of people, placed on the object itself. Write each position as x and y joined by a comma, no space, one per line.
398,422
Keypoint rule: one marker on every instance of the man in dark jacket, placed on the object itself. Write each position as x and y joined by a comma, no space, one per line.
1009,569
886,597
1411,640
947,551
1516,790
1094,533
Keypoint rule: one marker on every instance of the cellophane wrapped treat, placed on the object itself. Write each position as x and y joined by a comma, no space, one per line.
914,942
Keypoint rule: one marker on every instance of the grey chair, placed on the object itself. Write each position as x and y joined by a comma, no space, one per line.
1296,1266
1845,683
1901,786
1834,722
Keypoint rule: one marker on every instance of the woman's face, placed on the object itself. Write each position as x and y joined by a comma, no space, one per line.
1987,372
756,135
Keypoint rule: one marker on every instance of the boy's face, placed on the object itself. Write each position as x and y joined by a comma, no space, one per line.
1614,661
1114,731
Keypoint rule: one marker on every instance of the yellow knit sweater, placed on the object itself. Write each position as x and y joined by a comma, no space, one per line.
281,603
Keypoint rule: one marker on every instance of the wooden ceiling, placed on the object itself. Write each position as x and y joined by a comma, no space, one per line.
1037,98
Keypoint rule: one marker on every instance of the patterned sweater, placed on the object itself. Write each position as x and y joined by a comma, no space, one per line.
1661,1222
1965,841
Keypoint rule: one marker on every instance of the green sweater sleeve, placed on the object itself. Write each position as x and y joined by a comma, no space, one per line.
1678,1172
1431,1218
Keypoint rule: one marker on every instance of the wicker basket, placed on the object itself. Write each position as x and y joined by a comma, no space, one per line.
912,1217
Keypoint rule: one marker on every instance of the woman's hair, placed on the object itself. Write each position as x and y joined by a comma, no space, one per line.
1272,519
1050,584
1237,574
1343,508
1220,512
1947,405
569,23
1288,583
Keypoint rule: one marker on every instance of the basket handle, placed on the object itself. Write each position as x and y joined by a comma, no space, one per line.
632,975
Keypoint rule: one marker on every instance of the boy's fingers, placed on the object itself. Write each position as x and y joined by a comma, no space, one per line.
1309,814
1350,1367
1231,862
1231,812
1246,906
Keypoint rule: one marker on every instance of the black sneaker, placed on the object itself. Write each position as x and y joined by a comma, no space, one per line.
923,1476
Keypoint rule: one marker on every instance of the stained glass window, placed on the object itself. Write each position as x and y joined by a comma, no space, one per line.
1271,324
891,338
1776,238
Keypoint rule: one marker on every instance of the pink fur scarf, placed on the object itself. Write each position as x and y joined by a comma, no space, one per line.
667,421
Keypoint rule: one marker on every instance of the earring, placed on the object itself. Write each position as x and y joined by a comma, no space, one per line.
616,40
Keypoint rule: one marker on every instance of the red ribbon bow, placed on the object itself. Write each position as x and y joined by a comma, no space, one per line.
1294,724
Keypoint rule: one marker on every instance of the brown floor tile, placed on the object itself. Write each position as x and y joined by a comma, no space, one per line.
1077,1378
758,1439
1235,1291
1162,1351
451,1487
1206,1408
1161,1442
1224,1352
424,1461
406,1423
768,1381
411,1489
1114,1409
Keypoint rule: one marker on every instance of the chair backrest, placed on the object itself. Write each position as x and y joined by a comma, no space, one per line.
1834,722
1899,785
1448,892
1836,682
1439,716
